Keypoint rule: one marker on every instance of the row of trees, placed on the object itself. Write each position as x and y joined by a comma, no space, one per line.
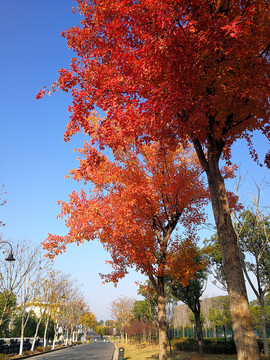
253,229
34,297
168,75
215,313
140,318
134,210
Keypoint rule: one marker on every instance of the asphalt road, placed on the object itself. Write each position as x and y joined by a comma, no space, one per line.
95,350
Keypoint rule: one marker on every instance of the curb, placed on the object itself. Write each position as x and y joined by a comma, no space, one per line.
41,353
115,353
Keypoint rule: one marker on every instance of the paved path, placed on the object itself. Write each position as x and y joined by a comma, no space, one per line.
99,350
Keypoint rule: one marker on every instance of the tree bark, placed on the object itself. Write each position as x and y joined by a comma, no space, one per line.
21,340
45,332
54,335
162,320
244,337
36,334
199,331
67,335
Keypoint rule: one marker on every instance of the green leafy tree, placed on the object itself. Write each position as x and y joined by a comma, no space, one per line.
216,267
140,310
219,313
191,318
267,299
100,329
29,329
253,230
144,310
255,312
7,303
190,295
109,323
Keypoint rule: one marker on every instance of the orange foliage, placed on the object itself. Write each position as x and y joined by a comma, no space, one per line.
168,69
134,206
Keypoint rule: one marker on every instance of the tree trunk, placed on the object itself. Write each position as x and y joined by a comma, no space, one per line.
264,334
36,334
45,332
169,339
21,340
162,327
244,337
199,331
54,335
67,335
23,325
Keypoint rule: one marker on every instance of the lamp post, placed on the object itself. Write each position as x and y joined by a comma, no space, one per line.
10,255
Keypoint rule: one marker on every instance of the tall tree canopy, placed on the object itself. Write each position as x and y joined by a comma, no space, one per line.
180,66
134,205
133,209
177,70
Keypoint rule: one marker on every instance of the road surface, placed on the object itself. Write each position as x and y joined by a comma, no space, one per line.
97,349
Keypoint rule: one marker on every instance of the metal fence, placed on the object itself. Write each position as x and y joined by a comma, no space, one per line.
219,332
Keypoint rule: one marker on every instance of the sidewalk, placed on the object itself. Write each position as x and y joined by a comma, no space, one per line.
115,355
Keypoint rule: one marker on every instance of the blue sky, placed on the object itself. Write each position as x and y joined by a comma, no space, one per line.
33,157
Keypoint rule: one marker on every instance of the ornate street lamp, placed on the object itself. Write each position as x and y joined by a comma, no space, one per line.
10,255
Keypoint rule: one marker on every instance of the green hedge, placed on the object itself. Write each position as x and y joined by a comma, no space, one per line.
211,346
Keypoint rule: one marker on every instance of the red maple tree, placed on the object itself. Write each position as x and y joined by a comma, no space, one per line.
176,70
133,208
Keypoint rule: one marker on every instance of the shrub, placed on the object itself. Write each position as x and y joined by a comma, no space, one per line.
42,348
219,346
28,352
4,356
211,346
